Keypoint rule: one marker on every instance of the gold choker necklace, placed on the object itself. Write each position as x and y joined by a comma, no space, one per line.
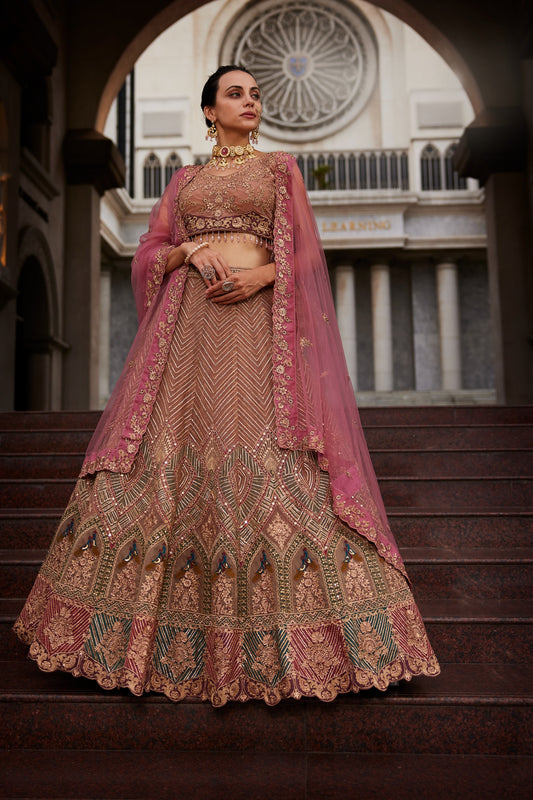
239,154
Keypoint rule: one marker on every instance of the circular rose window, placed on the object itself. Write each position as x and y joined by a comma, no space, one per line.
315,64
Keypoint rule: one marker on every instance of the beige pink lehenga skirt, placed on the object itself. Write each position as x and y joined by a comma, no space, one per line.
217,569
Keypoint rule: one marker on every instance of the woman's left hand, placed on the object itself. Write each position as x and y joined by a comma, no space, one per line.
245,284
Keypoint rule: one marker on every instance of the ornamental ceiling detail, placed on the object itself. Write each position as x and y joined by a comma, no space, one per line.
315,62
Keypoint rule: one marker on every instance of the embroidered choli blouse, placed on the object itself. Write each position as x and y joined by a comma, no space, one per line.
239,206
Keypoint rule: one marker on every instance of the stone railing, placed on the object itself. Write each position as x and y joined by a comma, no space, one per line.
362,169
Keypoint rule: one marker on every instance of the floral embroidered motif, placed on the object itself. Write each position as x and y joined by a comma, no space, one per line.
221,655
279,531
395,579
266,658
371,646
60,548
186,595
223,588
320,655
357,582
263,598
180,654
309,593
113,643
125,583
81,570
416,634
59,630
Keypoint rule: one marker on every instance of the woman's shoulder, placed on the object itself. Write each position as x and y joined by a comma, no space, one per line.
280,157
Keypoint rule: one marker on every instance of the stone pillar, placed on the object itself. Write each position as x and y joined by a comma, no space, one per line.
449,325
510,284
382,327
494,149
345,308
82,298
105,336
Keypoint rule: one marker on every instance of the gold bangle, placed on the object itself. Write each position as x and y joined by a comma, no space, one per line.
187,259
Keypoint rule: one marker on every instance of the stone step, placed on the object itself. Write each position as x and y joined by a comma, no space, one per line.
405,491
387,463
469,709
208,774
379,437
460,630
412,527
438,437
435,572
45,441
399,415
457,527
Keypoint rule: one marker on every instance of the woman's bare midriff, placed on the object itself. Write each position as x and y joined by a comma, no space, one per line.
241,255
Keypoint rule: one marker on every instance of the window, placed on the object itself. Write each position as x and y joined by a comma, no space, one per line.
430,168
172,163
453,181
152,176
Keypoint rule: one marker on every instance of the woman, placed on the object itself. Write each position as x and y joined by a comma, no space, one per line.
226,539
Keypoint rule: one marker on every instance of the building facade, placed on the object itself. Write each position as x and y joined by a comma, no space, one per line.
373,116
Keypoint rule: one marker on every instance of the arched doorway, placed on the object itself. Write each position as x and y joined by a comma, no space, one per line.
33,358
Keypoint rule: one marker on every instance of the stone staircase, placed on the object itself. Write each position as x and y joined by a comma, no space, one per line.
458,486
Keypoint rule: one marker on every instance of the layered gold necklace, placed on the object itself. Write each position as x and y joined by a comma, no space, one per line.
225,156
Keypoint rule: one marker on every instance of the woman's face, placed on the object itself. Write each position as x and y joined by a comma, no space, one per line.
237,108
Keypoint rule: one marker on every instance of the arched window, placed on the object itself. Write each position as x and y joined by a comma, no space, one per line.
430,168
152,176
453,181
172,163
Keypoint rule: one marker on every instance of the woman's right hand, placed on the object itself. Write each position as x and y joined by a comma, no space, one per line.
202,258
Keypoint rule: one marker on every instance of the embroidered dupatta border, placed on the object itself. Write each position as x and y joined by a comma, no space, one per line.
355,506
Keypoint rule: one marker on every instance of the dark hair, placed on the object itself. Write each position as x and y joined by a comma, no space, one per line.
209,92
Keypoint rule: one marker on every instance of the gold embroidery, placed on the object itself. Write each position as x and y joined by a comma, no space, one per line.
266,658
180,654
280,531
263,597
59,630
186,595
223,588
81,570
320,656
113,644
371,646
309,593
235,204
124,586
416,634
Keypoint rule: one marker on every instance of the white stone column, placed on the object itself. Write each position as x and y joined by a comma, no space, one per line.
105,337
381,327
345,308
449,325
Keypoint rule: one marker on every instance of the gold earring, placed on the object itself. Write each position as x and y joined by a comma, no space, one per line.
212,132
254,135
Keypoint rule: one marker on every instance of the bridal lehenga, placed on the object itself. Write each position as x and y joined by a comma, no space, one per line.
216,565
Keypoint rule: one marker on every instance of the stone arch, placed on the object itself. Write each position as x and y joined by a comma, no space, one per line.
36,340
139,32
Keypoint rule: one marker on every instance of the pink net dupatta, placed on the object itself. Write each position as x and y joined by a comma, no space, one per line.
122,425
315,402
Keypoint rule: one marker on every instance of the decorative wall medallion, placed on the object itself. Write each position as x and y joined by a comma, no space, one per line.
316,64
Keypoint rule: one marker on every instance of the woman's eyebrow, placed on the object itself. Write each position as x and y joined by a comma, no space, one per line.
252,88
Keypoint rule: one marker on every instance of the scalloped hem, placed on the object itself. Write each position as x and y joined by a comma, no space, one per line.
241,689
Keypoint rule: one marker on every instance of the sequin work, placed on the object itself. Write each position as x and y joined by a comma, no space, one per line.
216,569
